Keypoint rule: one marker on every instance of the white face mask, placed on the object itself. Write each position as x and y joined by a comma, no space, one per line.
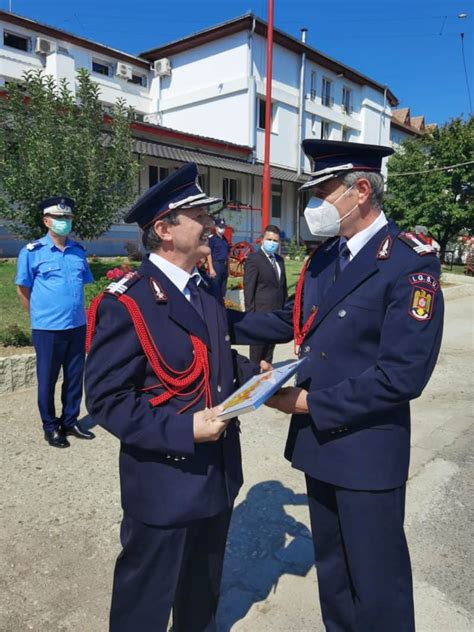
323,218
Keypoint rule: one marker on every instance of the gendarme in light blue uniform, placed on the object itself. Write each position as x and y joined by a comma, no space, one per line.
56,279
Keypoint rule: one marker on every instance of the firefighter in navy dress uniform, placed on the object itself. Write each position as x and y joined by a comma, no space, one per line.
50,278
368,316
218,259
159,364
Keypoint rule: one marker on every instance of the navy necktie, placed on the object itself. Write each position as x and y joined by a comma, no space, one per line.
343,257
195,298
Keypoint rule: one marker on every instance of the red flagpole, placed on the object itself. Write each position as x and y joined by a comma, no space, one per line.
266,184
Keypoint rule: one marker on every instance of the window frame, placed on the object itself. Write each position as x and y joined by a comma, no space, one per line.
229,198
28,40
103,63
326,96
325,125
347,108
313,86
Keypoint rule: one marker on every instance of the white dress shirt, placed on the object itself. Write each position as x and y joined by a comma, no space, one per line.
175,274
356,243
272,258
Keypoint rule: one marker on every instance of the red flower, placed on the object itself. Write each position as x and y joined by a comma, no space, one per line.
114,274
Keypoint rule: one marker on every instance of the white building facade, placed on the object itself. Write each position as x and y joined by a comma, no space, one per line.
202,98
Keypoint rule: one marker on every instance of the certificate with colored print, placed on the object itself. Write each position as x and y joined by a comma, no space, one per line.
258,389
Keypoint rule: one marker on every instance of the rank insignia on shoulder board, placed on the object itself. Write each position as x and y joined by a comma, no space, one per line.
118,288
422,299
417,243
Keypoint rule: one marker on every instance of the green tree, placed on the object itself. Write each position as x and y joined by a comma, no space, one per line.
441,200
53,142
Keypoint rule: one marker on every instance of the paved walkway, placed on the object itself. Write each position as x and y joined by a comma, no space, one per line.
60,515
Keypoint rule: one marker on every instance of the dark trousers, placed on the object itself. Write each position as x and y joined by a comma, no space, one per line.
261,352
362,559
164,569
222,274
55,350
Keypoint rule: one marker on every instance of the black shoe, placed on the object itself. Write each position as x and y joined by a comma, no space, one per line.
78,432
56,439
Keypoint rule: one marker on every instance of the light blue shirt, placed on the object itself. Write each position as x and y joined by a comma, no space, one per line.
56,278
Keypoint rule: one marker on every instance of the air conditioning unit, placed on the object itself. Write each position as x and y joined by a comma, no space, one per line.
44,46
124,71
162,67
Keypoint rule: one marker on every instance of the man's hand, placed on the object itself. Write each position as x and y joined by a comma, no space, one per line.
207,426
290,400
212,273
265,366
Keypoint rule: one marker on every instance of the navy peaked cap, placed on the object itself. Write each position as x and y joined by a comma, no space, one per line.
220,222
180,190
58,205
332,158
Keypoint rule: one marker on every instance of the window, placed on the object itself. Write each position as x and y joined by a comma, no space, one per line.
326,96
230,189
277,191
325,130
346,100
312,92
139,116
314,125
152,175
101,68
139,80
346,134
164,173
16,41
261,115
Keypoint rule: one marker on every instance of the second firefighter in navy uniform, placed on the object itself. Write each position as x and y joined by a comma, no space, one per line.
368,318
160,362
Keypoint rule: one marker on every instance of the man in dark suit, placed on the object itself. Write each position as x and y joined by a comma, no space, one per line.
160,363
368,318
265,287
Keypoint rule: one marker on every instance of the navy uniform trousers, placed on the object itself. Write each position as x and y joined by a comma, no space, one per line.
55,350
361,556
143,595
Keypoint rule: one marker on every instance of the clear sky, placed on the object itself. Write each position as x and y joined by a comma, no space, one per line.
413,46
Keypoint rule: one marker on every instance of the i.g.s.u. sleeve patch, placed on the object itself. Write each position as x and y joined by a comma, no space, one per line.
423,294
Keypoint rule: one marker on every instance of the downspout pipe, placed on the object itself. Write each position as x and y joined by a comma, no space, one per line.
299,136
252,95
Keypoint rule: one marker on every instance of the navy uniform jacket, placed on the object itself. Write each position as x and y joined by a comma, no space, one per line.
219,248
371,349
166,478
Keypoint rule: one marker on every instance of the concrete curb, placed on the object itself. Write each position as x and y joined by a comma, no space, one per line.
19,371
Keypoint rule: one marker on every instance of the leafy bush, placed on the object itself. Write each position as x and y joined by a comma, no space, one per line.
296,251
13,336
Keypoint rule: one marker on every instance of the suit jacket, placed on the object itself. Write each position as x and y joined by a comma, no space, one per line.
166,478
263,290
371,349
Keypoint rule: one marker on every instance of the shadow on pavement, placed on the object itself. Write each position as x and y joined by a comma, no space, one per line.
264,543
